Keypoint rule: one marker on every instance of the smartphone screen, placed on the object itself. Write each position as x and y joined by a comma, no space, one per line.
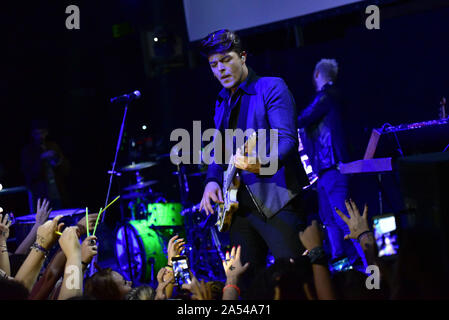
341,265
181,270
386,235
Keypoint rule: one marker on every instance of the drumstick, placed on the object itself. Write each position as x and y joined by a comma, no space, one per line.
87,221
111,203
101,211
96,222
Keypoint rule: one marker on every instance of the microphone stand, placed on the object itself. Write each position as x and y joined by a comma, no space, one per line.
112,173
119,142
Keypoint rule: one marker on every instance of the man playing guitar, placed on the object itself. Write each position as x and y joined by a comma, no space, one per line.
269,215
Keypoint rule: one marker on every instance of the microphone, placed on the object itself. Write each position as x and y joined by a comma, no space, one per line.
127,97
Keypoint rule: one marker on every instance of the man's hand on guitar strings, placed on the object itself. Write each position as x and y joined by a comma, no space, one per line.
250,164
212,191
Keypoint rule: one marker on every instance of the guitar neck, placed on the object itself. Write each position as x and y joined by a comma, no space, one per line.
230,173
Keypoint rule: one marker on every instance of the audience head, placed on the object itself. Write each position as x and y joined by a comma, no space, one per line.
216,288
107,284
351,285
11,289
143,292
286,279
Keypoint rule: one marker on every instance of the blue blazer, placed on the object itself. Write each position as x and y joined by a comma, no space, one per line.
270,106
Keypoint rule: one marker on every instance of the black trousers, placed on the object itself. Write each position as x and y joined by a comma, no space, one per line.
256,235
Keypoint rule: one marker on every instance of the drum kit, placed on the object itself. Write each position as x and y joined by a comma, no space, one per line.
149,221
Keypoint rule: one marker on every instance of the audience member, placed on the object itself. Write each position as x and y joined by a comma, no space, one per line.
107,284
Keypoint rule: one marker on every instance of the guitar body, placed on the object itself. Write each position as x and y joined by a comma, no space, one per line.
231,184
229,207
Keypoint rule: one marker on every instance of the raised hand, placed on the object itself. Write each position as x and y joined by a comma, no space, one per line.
69,242
46,233
199,290
212,191
175,247
312,236
233,266
88,251
357,223
165,276
5,223
42,211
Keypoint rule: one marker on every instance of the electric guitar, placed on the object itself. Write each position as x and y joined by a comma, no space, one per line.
231,183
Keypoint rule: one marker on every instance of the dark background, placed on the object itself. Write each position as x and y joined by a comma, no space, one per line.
397,74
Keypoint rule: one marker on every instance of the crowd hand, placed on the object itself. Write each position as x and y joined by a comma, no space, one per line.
69,242
46,233
357,223
175,247
212,191
5,223
164,278
199,290
251,164
82,223
233,267
43,211
312,236
88,251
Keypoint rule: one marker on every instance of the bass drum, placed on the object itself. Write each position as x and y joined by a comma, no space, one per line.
165,214
140,251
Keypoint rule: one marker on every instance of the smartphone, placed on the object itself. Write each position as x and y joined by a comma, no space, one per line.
386,235
181,270
340,265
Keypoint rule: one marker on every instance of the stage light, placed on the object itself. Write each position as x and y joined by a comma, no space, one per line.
1,187
155,39
144,127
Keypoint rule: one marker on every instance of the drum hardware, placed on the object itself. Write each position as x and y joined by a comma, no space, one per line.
140,185
183,183
118,174
138,166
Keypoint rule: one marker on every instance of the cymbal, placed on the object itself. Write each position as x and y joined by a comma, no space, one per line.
138,166
134,195
140,185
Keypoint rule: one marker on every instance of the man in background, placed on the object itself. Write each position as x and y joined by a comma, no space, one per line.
324,143
45,167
